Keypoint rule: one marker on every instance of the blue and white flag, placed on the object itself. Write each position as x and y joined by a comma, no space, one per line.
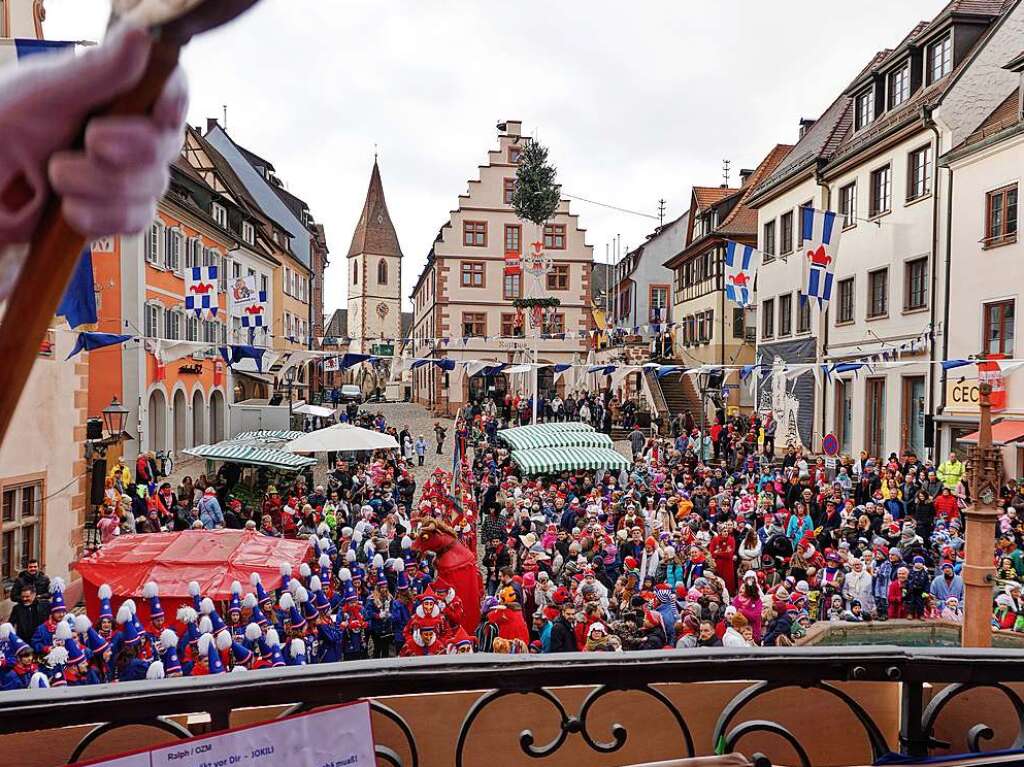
78,305
254,315
201,290
820,231
741,262
13,50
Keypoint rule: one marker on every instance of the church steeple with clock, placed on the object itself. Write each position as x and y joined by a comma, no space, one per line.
374,274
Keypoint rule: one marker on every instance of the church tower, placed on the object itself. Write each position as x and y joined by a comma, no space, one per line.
22,19
374,274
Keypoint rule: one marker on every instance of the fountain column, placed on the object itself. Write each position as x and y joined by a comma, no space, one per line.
984,472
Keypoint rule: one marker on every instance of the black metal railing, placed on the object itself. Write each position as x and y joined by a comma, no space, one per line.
496,677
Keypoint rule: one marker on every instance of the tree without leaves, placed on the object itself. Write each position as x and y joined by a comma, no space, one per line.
536,195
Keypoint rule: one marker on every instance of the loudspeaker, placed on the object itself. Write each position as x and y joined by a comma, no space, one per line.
99,476
94,429
929,430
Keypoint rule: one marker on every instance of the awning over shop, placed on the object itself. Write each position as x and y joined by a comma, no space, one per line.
249,455
1003,433
267,436
316,411
553,460
546,428
534,440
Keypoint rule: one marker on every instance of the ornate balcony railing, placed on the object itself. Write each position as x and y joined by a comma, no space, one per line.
922,681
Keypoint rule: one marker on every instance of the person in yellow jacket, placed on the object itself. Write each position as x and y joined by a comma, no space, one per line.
951,472
120,475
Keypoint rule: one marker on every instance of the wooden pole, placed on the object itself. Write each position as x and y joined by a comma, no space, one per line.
985,472
54,253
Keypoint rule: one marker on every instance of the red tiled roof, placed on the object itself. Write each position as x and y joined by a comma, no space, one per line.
743,220
1002,117
375,234
711,195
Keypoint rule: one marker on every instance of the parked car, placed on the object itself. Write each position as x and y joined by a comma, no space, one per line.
351,393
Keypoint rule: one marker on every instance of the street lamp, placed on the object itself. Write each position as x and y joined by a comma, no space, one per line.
289,378
115,415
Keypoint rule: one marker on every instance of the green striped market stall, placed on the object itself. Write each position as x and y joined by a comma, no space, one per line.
250,455
554,460
534,440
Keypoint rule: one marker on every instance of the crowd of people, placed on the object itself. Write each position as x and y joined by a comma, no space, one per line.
602,410
705,540
364,591
708,539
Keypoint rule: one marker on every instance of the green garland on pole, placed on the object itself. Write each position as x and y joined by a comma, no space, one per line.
529,303
537,194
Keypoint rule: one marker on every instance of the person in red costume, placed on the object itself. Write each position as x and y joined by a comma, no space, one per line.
452,609
723,551
426,640
508,616
455,564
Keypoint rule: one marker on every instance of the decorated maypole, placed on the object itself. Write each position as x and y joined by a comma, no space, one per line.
536,199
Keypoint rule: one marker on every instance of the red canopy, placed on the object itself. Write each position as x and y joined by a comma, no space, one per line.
212,558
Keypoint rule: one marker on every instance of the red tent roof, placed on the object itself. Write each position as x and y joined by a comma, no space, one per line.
213,558
1003,433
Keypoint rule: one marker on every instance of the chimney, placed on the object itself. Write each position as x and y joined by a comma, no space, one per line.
745,174
211,123
805,125
513,128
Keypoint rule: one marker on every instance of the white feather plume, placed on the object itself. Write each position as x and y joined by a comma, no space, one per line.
155,670
104,592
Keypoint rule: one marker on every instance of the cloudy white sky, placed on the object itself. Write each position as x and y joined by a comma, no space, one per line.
637,101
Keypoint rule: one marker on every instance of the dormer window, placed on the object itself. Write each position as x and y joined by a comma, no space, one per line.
248,232
220,215
865,108
899,85
940,58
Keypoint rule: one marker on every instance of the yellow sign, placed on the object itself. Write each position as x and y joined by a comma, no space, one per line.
962,395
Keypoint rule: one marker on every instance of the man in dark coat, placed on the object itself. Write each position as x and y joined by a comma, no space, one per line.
29,614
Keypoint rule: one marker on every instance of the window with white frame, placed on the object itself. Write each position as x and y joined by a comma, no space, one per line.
152,245
248,233
191,259
172,249
172,325
236,270
220,215
153,320
21,523
865,104
263,283
940,58
899,85
191,328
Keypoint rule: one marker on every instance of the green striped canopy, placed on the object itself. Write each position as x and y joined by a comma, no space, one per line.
525,437
534,440
251,456
553,460
267,436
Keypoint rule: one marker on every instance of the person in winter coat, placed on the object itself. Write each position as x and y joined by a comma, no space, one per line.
858,585
748,603
563,638
653,632
947,584
898,597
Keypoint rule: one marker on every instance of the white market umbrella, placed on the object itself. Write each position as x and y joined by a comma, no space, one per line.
342,437
314,410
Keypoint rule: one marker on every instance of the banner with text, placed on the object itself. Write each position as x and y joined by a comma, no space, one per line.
334,737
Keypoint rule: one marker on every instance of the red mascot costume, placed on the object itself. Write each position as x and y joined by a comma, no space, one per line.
455,565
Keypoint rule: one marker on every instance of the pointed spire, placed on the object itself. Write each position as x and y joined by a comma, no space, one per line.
375,234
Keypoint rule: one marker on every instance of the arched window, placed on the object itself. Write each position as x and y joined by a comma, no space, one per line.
355,272
382,272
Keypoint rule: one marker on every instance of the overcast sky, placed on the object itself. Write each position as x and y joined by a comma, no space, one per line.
637,101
